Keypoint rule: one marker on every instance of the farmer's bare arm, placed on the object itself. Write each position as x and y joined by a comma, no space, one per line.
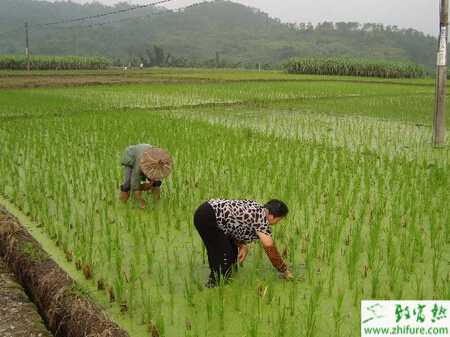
156,190
146,186
273,254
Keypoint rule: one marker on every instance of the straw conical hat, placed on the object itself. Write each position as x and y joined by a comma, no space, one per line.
156,163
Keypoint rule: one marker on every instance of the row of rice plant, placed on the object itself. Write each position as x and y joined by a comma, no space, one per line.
388,101
391,138
42,62
355,67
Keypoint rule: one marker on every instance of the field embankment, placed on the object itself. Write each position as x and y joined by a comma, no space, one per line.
66,311
70,78
18,315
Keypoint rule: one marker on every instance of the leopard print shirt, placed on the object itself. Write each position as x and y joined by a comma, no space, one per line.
241,219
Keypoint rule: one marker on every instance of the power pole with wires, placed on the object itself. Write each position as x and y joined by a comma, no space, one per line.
27,46
439,128
217,59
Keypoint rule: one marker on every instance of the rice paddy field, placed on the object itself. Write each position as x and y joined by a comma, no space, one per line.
368,195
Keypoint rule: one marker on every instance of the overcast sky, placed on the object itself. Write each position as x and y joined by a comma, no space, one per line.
422,15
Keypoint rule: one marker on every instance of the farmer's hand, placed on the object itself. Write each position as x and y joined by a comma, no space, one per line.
146,186
287,275
243,251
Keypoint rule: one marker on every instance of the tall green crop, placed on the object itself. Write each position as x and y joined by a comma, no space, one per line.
38,62
354,67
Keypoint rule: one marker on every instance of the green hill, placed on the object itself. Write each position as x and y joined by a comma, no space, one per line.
215,33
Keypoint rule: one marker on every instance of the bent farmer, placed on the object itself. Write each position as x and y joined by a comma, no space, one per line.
144,168
226,226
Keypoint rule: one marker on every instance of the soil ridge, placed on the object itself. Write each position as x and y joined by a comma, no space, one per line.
66,311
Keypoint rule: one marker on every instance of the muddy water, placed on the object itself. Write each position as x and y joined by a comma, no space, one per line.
18,315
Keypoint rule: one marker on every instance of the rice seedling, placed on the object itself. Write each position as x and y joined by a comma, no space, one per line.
312,309
188,293
253,327
282,322
337,313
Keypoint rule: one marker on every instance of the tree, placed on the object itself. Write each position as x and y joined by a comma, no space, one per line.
158,53
325,26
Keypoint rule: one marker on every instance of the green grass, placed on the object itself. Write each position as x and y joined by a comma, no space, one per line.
368,195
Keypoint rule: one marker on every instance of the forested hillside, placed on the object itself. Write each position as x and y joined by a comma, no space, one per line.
218,33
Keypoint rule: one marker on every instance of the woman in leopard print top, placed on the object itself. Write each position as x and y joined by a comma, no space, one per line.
226,226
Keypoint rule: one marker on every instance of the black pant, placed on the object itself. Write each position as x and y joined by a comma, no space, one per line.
222,250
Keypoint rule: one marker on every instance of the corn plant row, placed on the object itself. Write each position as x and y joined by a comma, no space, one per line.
355,67
41,62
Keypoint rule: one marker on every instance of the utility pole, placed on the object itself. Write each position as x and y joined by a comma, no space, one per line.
217,59
439,128
27,48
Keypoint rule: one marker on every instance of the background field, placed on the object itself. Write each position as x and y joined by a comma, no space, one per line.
352,158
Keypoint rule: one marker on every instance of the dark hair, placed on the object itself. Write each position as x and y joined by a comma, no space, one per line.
277,208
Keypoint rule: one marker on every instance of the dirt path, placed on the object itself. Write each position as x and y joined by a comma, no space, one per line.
23,82
18,315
